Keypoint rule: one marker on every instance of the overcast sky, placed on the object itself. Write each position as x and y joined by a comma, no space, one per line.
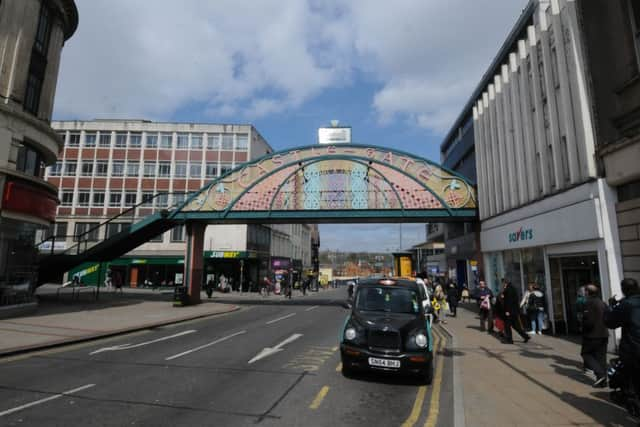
398,72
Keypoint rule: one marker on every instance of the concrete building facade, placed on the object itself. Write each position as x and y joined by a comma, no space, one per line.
548,215
32,34
108,167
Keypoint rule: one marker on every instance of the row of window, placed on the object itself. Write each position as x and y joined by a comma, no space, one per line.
117,199
213,141
91,231
149,169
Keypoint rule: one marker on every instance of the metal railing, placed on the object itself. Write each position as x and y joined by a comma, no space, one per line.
91,237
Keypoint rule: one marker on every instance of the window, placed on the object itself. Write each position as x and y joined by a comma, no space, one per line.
135,140
130,198
164,169
98,199
211,170
87,168
242,141
102,166
133,168
70,168
84,197
59,229
195,170
86,231
165,140
177,233
158,239
181,170
63,136
149,169
55,170
213,141
635,26
74,140
121,140
147,198
38,64
152,141
90,139
29,161
224,168
105,139
179,199
114,228
183,141
117,168
115,200
162,200
227,141
66,198
196,141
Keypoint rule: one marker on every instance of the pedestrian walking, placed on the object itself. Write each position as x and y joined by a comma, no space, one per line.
594,335
452,298
625,314
440,303
485,296
511,313
464,295
533,306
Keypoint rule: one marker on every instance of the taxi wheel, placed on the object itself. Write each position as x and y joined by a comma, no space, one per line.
428,373
347,372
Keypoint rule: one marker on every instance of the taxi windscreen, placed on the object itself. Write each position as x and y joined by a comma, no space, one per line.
387,299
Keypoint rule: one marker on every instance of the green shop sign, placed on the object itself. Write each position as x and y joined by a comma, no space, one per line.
520,235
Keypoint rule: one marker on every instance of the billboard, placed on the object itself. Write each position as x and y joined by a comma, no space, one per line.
334,135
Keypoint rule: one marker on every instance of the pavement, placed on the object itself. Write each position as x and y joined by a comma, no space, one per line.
539,383
61,320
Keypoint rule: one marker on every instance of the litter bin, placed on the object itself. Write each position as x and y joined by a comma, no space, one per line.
180,296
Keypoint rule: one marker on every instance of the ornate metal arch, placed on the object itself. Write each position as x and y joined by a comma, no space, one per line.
325,183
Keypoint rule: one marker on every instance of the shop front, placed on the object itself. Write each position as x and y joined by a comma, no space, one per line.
139,272
242,270
560,245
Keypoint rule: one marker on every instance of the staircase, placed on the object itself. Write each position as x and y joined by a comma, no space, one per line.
53,265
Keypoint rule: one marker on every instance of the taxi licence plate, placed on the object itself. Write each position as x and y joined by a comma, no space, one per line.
384,363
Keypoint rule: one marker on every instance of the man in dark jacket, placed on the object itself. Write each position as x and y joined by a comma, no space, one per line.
625,314
452,298
511,314
595,335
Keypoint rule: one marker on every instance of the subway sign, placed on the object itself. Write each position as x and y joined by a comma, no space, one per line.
521,235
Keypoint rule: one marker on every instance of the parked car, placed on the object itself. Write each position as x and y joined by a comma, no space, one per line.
388,329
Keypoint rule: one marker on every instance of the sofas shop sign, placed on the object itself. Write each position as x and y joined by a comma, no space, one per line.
521,235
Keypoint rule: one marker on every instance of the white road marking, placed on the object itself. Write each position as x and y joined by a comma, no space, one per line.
312,308
129,346
175,356
46,399
268,351
280,318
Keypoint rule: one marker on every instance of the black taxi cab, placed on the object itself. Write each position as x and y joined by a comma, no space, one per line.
388,329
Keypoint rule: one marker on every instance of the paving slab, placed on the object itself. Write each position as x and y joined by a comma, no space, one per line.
535,384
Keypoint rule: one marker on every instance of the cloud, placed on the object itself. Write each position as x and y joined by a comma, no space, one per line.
252,59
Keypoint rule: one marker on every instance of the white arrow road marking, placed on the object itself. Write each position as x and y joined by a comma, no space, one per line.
175,356
129,346
46,399
268,351
280,318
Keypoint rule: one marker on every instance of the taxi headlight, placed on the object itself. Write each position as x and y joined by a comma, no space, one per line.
350,334
421,340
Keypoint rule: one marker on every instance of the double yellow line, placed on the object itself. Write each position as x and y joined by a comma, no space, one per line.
434,407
